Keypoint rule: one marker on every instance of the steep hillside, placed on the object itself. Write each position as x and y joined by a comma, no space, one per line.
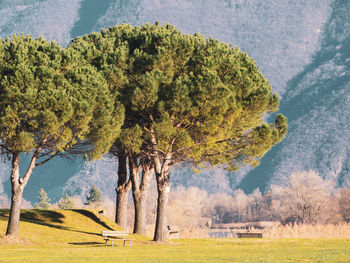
59,227
317,104
301,46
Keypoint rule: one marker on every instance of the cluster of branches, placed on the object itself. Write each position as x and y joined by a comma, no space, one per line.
52,102
306,198
150,96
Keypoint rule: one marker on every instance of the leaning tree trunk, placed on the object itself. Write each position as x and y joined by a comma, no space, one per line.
122,190
15,211
163,186
140,195
17,187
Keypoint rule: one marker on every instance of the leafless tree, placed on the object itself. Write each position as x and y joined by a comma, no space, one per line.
344,204
305,199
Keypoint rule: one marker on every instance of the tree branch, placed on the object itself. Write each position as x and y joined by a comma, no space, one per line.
48,159
7,149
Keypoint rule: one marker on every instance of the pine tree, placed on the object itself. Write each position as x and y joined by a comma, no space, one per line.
187,99
66,202
94,198
44,201
50,100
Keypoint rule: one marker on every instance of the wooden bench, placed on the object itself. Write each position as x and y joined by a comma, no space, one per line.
111,235
249,235
173,232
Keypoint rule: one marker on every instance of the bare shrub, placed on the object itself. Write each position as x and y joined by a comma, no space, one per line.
108,207
344,204
241,203
193,207
220,208
248,208
78,203
4,201
308,231
185,206
256,212
26,204
276,203
240,207
306,199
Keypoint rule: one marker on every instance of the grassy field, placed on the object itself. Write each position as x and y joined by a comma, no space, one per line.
74,236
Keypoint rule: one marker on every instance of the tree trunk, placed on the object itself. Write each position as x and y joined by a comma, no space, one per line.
163,185
140,195
122,190
17,186
15,211
121,217
140,213
162,169
16,199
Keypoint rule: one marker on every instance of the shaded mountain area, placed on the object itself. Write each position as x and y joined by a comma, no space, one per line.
52,19
89,13
317,104
281,35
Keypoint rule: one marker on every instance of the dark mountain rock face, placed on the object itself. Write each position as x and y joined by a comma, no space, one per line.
303,47
317,104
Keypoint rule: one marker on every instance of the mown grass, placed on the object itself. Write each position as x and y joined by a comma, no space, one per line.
74,236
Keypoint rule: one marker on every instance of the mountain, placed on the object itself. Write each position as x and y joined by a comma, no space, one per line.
301,46
317,104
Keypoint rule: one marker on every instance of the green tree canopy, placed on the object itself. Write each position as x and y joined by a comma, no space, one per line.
203,99
49,96
186,98
51,102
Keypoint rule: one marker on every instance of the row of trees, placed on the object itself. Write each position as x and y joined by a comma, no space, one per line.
93,200
306,198
150,96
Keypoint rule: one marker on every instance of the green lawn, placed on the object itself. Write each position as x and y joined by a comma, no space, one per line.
74,236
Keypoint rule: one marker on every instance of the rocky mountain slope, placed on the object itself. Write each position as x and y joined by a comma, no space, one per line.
301,46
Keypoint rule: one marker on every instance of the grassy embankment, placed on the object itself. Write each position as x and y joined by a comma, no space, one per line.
74,236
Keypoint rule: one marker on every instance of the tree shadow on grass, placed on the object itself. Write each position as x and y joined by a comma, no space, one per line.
42,216
4,213
93,217
86,243
50,217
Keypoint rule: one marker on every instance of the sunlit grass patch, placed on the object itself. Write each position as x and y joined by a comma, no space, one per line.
75,236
